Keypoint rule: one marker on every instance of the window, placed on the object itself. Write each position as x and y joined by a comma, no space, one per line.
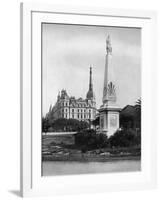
72,110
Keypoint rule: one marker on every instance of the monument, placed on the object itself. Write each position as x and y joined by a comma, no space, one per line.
109,111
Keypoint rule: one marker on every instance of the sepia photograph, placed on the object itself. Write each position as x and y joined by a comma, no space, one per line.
91,99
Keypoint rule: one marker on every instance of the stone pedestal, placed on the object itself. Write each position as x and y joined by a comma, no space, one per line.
109,119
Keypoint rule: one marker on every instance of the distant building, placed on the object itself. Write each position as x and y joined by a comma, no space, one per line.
72,108
130,117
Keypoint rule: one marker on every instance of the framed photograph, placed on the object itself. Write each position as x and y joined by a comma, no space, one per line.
87,100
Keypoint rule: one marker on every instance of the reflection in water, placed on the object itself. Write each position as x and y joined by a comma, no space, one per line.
50,168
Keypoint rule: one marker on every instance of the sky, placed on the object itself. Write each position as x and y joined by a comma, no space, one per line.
69,50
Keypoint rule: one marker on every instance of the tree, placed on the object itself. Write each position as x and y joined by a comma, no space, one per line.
138,102
127,117
138,113
45,124
95,122
59,124
63,124
130,116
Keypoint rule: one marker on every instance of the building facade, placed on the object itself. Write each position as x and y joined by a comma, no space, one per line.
72,108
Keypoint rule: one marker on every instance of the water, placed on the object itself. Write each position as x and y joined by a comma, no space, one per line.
50,168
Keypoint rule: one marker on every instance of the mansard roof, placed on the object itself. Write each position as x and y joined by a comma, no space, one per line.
90,94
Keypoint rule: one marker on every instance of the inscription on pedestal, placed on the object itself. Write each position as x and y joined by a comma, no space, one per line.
113,121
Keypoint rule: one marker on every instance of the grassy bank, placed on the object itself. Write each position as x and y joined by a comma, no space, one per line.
63,148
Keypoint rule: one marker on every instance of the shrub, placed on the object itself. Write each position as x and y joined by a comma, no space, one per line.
88,139
125,138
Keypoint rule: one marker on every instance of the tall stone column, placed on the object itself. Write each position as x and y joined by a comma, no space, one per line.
109,111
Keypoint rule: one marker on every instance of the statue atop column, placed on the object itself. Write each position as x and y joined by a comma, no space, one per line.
108,45
109,93
109,111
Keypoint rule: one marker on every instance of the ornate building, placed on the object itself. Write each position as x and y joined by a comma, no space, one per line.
72,108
